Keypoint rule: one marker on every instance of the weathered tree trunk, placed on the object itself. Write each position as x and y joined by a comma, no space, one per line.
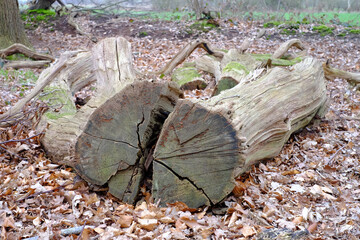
204,145
132,130
110,65
11,27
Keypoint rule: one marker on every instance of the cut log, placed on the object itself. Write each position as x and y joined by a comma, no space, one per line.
204,145
110,63
115,143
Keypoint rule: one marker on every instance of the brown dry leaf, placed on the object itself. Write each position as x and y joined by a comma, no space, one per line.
148,224
290,172
180,225
167,220
239,188
125,221
312,228
247,231
298,220
93,198
191,223
182,207
37,221
249,201
9,223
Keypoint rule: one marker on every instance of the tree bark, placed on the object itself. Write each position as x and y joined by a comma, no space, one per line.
11,26
204,145
42,4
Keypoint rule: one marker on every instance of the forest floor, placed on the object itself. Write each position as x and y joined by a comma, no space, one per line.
313,184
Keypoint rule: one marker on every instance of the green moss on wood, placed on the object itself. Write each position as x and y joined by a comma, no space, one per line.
277,61
185,75
237,67
59,102
224,84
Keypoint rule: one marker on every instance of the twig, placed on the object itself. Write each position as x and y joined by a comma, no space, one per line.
83,227
73,230
14,154
44,192
20,140
333,156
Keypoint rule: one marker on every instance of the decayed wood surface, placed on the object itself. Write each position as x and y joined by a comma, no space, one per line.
115,144
204,145
112,68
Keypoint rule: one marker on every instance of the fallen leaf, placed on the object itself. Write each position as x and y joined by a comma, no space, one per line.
247,231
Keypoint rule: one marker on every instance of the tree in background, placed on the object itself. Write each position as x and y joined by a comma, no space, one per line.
45,4
197,7
11,26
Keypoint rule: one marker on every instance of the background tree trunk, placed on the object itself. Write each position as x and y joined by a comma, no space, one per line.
197,7
11,27
42,4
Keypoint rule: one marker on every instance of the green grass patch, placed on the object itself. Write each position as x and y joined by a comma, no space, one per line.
203,26
20,76
33,18
18,80
353,31
273,18
323,30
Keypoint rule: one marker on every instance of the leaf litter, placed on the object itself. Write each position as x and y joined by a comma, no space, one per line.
312,184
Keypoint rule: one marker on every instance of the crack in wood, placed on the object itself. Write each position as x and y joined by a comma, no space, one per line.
187,179
108,139
137,163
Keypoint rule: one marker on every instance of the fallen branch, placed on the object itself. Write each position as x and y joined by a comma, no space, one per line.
45,192
27,64
20,140
185,52
286,46
71,21
83,228
16,112
331,73
19,48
